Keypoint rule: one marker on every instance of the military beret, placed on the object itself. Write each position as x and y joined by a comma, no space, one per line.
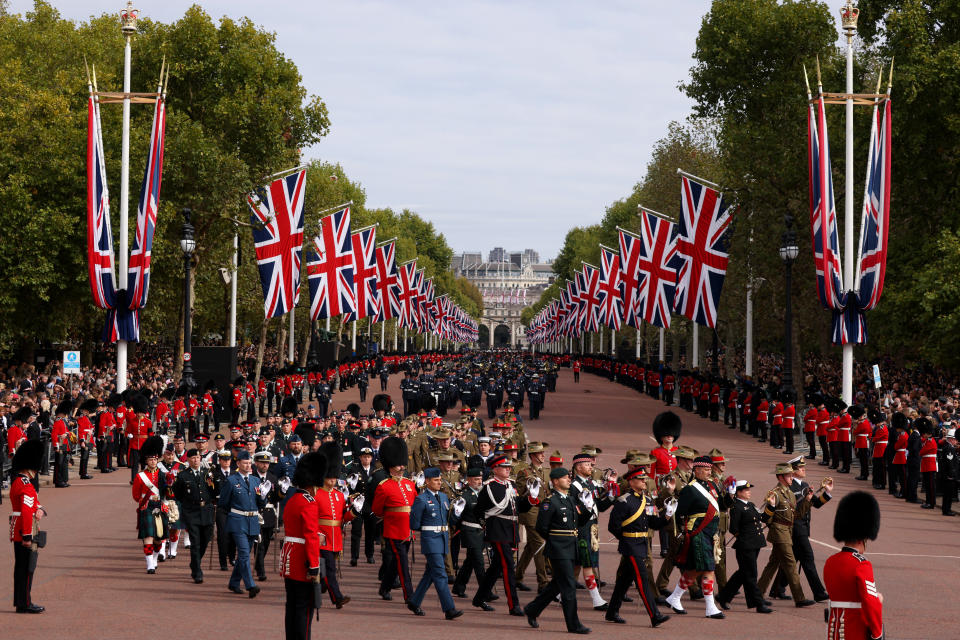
243,455
559,472
192,452
431,472
294,438
474,472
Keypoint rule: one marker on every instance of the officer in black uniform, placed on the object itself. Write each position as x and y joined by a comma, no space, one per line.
466,521
226,548
262,460
492,390
746,523
194,490
358,474
633,515
535,395
557,523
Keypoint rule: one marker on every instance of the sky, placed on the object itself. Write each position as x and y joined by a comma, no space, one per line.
505,122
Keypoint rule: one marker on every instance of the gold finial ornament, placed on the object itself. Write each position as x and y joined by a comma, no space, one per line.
848,17
128,19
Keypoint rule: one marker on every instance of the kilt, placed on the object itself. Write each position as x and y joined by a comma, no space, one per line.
700,552
147,523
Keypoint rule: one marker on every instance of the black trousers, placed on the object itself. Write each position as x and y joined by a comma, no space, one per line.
834,454
298,611
491,408
879,473
730,416
802,553
120,447
745,576
846,455
134,459
396,564
103,454
824,449
329,559
863,455
473,562
949,492
200,535
364,529
787,440
501,564
910,486
563,583
260,551
811,437
776,436
84,460
632,570
383,384
22,576
61,475
226,547
668,397
898,479
930,487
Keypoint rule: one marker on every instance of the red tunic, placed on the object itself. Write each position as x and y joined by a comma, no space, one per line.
392,501
810,421
823,419
142,493
732,400
844,427
747,404
832,428
669,382
24,502
789,413
14,435
138,429
880,441
900,449
762,410
665,462
715,394
59,433
333,511
855,607
237,398
928,454
84,429
163,412
105,424
777,413
861,434
301,540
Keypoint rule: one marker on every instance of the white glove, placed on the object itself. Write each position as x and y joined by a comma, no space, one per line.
587,499
352,481
671,508
358,504
346,494
284,484
265,487
458,506
732,489
535,491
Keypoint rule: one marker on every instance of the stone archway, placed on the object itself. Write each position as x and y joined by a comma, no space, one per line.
502,336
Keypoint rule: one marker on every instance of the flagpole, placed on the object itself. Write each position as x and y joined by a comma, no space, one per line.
128,26
405,339
748,355
293,311
233,290
383,334
638,343
695,359
613,342
663,345
850,27
353,338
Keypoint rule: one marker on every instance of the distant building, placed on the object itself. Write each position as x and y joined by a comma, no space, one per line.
508,282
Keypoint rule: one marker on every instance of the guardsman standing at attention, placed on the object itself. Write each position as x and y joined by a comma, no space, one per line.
557,522
631,520
23,522
856,606
429,517
392,502
300,558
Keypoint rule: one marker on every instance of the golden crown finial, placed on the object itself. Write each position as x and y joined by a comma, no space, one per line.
848,17
128,19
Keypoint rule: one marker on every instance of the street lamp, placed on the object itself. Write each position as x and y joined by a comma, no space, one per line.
188,245
788,253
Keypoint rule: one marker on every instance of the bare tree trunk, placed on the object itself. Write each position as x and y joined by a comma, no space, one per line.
336,344
306,345
261,347
178,349
282,344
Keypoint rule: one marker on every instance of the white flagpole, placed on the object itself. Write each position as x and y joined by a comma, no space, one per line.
663,345
128,28
353,338
638,343
695,359
383,334
404,339
293,313
748,356
847,385
233,291
613,342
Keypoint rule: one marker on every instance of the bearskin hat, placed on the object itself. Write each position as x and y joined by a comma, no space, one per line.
152,446
393,452
788,395
289,405
239,381
874,416
64,408
310,470
381,402
857,518
168,393
139,403
333,453
856,411
667,424
28,456
183,391
899,421
22,414
429,402
113,400
90,406
209,385
306,433
923,425
353,409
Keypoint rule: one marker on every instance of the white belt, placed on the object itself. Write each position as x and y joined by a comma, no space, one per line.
505,517
434,529
836,604
472,525
249,514
929,455
880,442
294,540
16,513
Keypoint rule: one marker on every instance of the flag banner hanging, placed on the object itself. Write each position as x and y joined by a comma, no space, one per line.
591,297
364,243
330,268
611,289
702,237
407,294
631,252
658,269
388,291
277,219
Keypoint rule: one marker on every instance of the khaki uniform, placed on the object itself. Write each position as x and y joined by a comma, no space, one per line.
533,549
781,537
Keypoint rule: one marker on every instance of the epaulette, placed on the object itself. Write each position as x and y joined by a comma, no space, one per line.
382,481
24,480
308,497
856,554
622,498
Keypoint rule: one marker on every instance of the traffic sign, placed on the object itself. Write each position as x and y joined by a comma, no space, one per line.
186,356
71,362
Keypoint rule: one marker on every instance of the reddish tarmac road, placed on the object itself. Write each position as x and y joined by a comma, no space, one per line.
92,578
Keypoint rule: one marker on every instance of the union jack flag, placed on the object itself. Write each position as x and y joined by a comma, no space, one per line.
408,294
426,304
590,294
823,213
139,273
388,291
658,269
99,236
631,251
364,243
330,268
702,241
611,288
575,316
277,219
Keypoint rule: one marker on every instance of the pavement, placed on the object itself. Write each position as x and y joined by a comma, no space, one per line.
93,582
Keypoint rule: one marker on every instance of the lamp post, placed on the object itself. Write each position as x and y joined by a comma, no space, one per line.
788,253
187,245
